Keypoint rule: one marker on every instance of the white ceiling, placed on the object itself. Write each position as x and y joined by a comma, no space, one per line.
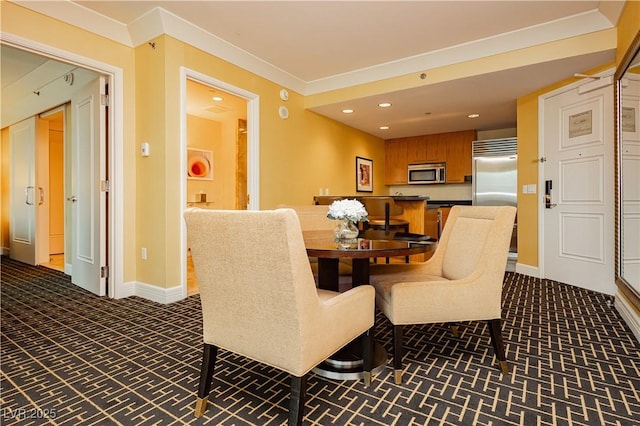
313,47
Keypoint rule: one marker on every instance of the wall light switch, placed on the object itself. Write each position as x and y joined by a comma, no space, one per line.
145,149
525,189
532,188
143,253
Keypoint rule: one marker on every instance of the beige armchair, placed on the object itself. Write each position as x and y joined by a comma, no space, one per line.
259,299
461,282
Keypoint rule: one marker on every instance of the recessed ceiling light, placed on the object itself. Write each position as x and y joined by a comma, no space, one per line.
473,115
384,127
384,104
217,98
347,111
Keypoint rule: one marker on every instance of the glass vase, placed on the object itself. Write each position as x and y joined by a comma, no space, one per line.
346,232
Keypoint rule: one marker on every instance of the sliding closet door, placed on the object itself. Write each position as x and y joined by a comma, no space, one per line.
29,213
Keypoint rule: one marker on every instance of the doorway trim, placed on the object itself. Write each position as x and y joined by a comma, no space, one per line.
115,142
253,151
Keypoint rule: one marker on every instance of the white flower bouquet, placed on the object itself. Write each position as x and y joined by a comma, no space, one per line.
351,210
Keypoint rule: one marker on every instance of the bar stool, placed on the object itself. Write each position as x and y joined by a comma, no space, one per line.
382,214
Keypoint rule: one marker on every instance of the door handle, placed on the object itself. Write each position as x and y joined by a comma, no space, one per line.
548,185
26,196
41,200
73,198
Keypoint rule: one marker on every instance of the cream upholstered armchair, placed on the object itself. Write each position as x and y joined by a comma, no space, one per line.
462,281
259,298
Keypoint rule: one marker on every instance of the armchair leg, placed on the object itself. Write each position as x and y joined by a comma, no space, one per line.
209,354
298,396
397,354
498,345
454,330
367,355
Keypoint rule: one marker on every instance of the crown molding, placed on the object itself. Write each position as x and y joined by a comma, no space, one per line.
573,26
81,17
159,21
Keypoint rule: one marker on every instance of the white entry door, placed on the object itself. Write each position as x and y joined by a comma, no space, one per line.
578,224
87,203
29,240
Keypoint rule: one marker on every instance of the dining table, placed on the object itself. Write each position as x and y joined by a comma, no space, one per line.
372,244
347,363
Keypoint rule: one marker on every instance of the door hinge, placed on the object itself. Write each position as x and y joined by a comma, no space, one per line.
104,100
105,186
104,272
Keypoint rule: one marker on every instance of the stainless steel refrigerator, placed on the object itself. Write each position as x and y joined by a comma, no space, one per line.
495,176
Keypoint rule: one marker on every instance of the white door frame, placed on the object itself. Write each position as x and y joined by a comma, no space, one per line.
541,125
253,151
115,142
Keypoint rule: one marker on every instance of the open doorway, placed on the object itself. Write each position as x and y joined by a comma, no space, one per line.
216,153
37,78
56,214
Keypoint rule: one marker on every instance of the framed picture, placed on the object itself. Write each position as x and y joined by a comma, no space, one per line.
364,175
199,164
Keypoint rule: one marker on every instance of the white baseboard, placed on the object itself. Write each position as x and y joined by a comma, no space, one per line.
531,271
159,294
4,251
628,314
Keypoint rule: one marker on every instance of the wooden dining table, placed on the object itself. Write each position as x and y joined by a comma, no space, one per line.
347,363
372,244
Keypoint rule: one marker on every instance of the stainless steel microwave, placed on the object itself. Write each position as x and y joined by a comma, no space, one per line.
427,173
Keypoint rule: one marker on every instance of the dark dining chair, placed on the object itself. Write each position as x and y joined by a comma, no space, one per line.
383,214
259,299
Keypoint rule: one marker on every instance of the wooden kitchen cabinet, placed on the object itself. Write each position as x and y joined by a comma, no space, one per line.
458,148
437,148
426,149
395,162
453,148
416,150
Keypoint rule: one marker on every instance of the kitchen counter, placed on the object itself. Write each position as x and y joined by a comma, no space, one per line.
410,197
328,199
447,203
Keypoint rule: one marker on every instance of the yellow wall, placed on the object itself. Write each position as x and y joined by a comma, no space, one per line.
56,188
628,27
297,155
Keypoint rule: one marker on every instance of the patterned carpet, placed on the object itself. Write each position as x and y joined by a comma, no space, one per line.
71,358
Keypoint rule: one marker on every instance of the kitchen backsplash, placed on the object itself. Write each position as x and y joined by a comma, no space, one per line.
435,192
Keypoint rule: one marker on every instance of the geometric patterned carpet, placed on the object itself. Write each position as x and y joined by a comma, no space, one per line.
71,358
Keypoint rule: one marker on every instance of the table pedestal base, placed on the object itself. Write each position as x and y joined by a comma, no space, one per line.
346,364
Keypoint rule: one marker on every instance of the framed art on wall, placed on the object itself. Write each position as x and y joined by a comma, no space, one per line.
364,174
199,164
